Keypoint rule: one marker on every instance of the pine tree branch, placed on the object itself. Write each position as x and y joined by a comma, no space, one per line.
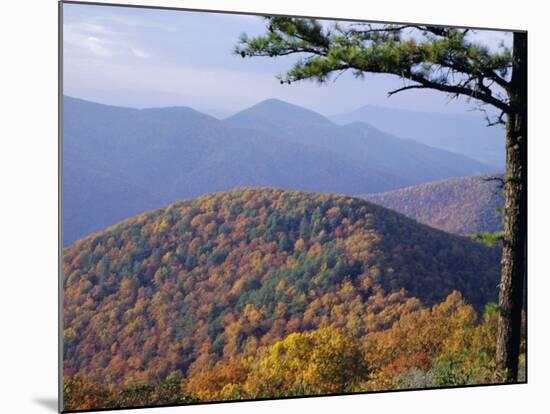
369,51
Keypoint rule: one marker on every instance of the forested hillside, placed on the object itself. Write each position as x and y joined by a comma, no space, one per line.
169,294
464,205
119,162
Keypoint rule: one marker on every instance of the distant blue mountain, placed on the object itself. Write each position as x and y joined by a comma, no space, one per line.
461,133
408,161
119,162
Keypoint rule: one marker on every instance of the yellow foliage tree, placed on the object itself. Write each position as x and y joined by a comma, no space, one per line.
318,362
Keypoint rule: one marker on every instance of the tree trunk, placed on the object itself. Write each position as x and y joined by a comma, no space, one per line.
514,252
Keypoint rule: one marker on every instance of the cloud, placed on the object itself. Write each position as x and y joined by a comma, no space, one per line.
84,37
73,32
140,53
98,47
91,40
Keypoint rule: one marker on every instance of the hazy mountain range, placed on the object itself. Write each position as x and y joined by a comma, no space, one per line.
461,133
119,162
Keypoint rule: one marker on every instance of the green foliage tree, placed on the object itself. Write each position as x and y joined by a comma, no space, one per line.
442,59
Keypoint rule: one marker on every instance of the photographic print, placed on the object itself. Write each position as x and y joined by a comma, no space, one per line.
260,207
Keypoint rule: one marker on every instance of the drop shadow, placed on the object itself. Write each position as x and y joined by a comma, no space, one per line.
49,403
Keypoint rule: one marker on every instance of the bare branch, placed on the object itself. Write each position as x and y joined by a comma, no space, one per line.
492,121
462,89
499,179
406,88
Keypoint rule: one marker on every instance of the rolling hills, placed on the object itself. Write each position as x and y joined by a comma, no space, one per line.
405,159
460,133
119,162
463,205
204,280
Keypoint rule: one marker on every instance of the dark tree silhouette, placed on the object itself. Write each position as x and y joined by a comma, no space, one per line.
439,58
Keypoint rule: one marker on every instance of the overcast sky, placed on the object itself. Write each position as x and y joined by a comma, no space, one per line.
144,58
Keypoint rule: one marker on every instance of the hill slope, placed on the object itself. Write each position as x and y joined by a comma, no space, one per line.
460,133
463,205
181,287
119,162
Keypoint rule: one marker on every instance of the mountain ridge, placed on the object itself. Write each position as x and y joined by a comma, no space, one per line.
461,133
166,154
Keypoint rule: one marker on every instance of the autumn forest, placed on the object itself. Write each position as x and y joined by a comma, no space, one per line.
261,292
278,252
